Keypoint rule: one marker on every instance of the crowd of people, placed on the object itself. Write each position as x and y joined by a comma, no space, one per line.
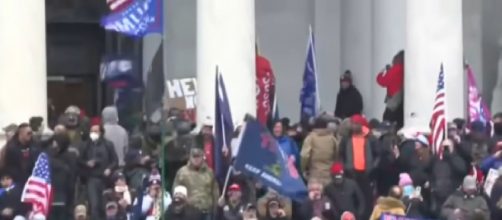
353,168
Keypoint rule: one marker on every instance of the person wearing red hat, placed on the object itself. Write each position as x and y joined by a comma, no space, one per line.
344,194
359,152
233,207
349,100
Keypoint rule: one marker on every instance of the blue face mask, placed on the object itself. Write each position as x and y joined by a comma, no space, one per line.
408,190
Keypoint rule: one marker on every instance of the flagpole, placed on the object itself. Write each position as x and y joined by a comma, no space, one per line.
312,42
446,104
227,179
163,125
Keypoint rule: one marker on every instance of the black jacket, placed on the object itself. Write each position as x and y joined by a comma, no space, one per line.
187,213
227,212
348,102
415,208
409,162
20,160
63,165
447,174
345,197
102,152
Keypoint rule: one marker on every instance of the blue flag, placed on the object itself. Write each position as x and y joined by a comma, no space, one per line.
309,97
261,157
140,18
224,128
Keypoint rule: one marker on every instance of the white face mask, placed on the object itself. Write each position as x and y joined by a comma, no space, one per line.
94,136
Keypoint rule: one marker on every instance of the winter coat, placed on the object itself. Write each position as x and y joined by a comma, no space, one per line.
345,197
284,202
319,151
115,133
410,162
307,209
371,153
348,102
63,166
228,212
20,160
447,174
388,205
11,198
468,205
393,79
415,208
203,191
133,169
179,148
474,150
188,212
102,152
290,148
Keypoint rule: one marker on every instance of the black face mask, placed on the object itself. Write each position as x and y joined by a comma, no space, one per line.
497,128
338,179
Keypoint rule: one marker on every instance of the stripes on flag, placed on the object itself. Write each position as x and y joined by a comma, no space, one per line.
118,5
38,190
438,120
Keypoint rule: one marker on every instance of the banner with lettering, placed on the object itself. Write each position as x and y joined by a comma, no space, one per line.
259,156
138,19
265,91
181,93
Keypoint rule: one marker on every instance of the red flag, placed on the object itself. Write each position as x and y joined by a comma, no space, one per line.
265,94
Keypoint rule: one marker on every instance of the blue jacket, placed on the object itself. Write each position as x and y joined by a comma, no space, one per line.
290,147
491,162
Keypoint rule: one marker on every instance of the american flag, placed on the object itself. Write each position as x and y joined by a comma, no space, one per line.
438,120
118,5
37,189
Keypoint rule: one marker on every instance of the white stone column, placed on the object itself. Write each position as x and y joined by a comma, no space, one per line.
23,71
389,34
356,47
226,37
434,36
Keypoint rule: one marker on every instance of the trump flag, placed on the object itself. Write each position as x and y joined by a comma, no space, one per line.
261,157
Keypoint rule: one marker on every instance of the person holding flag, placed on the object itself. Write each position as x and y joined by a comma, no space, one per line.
38,188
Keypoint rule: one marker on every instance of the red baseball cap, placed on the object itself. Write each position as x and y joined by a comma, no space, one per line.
234,187
337,168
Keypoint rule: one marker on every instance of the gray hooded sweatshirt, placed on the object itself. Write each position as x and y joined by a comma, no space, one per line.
115,133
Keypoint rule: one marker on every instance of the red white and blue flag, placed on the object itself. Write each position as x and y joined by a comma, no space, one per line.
37,190
478,109
438,120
